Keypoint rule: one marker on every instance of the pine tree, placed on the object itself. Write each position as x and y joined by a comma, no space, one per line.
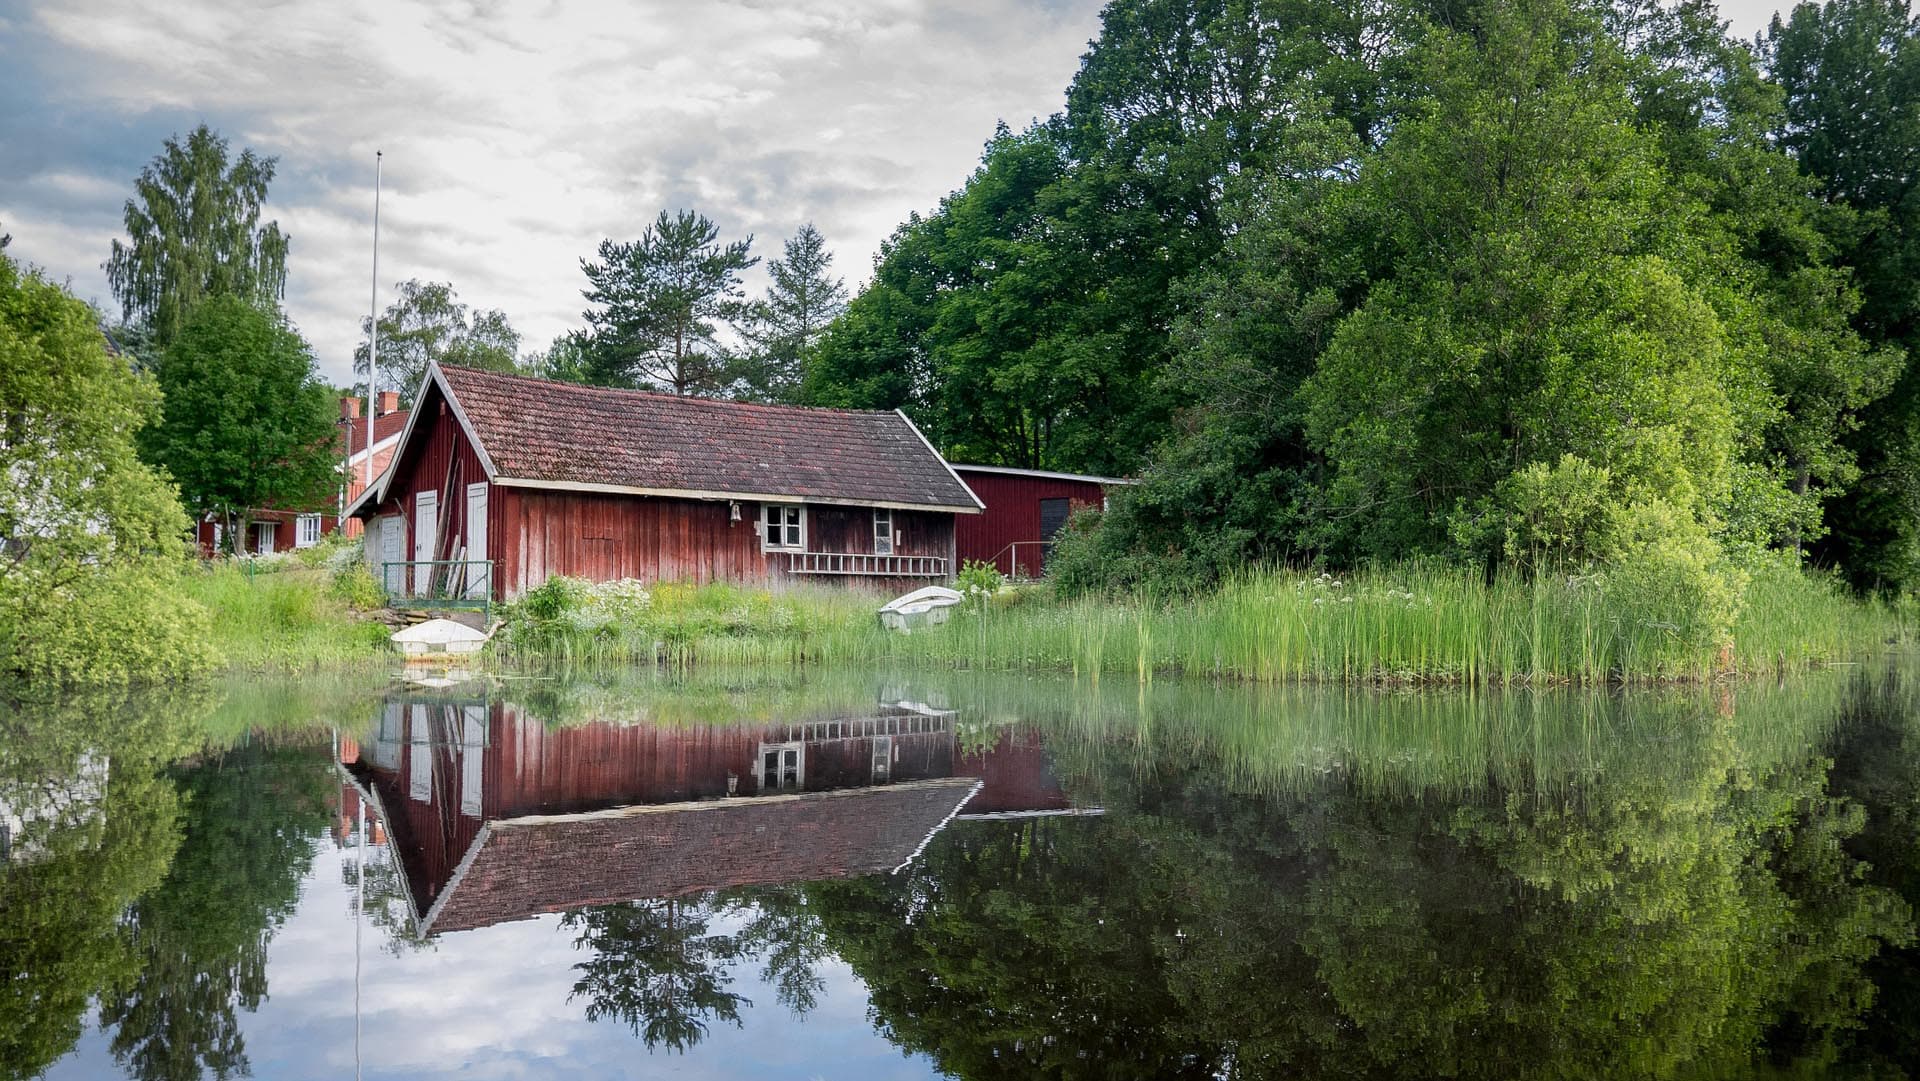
659,303
782,329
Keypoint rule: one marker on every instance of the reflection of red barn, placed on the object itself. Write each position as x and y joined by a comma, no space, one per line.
1025,508
496,816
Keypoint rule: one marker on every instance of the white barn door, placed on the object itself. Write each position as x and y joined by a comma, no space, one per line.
393,549
426,528
478,581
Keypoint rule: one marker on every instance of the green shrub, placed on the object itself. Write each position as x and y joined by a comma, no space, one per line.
357,586
979,581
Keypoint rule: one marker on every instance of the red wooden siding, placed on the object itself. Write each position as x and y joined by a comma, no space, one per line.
1013,515
439,458
285,527
540,533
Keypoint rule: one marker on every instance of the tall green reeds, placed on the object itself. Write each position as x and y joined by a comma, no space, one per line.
1408,624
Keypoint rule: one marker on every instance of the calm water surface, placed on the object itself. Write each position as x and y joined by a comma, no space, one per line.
746,875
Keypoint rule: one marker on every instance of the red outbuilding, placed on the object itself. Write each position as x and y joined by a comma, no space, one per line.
501,481
1025,509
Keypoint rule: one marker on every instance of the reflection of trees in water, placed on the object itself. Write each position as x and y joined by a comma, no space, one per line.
1680,911
253,816
385,904
1877,763
663,969
73,875
656,966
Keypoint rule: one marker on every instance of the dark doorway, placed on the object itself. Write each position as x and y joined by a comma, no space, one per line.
1053,518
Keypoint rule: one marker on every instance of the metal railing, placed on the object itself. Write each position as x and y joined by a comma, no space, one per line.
872,566
1032,564
439,583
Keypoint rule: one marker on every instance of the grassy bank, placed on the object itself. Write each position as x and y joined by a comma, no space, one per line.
1413,624
292,617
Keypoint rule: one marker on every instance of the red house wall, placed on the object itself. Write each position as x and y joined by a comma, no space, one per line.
1013,514
284,531
441,459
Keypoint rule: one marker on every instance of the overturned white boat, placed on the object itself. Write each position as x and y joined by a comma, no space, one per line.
927,607
440,638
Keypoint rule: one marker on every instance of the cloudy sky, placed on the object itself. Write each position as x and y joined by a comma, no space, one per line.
518,135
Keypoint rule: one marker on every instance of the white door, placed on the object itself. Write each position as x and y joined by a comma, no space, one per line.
393,549
266,537
473,758
426,527
477,578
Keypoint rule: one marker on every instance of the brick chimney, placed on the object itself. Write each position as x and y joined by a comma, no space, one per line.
349,408
387,402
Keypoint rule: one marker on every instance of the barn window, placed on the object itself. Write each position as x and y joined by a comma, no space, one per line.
782,765
306,531
882,532
783,527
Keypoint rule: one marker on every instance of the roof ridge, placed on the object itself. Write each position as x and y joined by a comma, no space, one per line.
635,392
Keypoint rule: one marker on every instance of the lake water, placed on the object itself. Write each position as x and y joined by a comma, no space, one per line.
725,875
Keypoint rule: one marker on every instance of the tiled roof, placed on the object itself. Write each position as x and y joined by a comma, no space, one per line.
560,433
522,867
385,427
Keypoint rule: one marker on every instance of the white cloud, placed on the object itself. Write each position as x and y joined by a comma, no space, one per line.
518,135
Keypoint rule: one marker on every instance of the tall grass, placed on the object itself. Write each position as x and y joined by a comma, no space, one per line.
288,618
1409,624
1422,624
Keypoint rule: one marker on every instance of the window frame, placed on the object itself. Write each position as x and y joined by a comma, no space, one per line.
883,540
301,526
768,527
779,781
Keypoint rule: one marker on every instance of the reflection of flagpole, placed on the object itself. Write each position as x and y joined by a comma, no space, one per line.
359,905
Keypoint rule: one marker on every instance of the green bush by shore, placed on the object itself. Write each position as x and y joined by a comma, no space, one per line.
291,615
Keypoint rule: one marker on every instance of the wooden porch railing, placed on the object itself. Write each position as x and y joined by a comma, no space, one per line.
871,566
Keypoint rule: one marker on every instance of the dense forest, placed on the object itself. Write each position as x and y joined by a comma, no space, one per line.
1529,282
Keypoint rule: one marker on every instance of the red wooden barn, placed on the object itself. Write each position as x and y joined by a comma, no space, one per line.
543,478
1025,508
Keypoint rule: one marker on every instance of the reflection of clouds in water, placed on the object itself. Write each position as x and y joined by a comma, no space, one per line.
493,1003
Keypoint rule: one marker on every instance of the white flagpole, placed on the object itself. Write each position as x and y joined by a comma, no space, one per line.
373,321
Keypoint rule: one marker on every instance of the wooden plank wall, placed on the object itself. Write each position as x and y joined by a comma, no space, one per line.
540,533
1013,514
440,458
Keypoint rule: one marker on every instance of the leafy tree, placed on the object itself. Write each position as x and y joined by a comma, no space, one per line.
91,540
248,423
571,358
783,328
660,303
1536,308
1849,73
429,324
194,232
